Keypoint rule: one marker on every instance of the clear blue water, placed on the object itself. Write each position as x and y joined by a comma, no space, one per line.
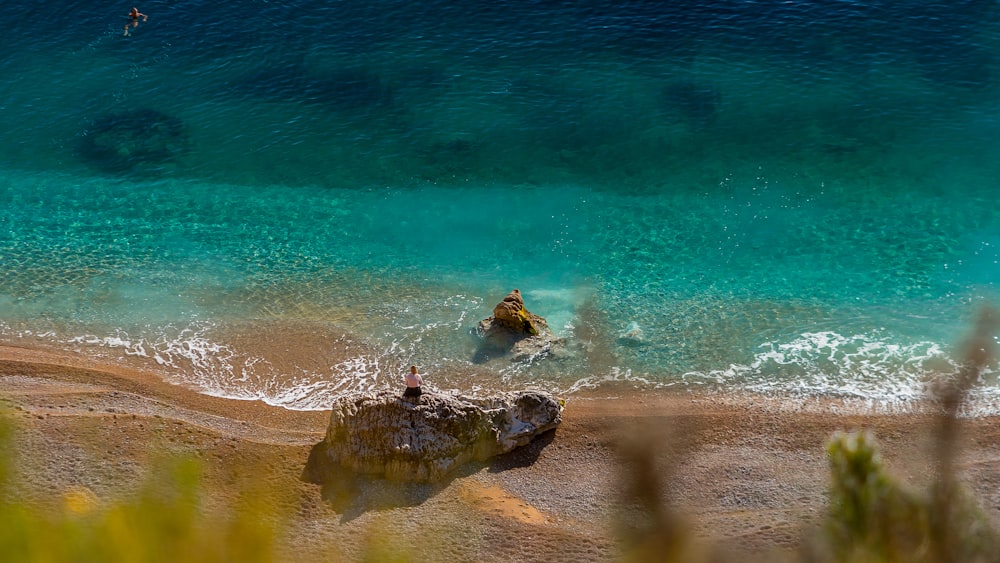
285,201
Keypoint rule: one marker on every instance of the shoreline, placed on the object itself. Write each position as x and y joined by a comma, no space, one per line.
748,474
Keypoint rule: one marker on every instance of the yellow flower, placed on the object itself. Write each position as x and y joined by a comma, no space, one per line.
79,500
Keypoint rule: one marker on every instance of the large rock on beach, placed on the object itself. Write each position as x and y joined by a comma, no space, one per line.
424,439
515,332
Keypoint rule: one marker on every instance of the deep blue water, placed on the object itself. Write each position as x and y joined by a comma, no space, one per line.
289,200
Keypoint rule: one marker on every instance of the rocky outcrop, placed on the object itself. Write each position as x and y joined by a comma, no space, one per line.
511,314
515,332
424,439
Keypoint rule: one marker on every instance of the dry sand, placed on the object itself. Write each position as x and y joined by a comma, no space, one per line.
747,474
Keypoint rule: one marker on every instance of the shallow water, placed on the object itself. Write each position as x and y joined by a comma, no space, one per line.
284,202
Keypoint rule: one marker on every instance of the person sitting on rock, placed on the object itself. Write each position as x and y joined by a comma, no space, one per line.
133,19
413,383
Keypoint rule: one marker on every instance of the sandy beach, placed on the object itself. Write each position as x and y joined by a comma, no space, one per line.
747,475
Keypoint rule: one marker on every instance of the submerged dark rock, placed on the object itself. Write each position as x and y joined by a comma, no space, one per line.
137,140
695,104
427,438
341,89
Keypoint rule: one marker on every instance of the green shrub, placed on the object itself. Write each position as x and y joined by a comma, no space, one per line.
874,518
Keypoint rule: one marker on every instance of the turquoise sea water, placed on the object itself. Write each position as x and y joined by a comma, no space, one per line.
285,201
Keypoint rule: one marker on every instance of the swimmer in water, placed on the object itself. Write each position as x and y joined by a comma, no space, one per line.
133,19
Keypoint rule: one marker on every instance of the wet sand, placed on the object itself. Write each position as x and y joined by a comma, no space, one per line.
747,474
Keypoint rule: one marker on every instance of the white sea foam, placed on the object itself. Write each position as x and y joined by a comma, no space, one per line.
614,375
190,357
866,369
830,363
880,375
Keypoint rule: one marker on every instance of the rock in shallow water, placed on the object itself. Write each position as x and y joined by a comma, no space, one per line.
515,333
424,440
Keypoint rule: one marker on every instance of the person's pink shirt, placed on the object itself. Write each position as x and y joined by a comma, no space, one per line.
413,379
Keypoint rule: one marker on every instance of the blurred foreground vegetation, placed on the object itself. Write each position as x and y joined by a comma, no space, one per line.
165,521
871,516
874,518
